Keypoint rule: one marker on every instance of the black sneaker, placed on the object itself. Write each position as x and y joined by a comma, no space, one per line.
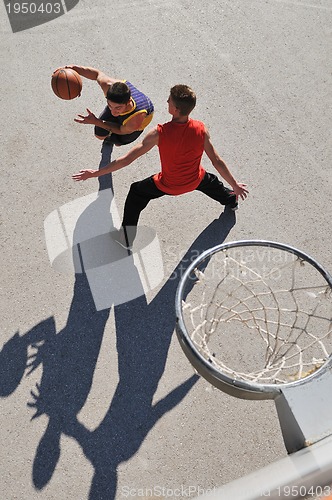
121,238
233,206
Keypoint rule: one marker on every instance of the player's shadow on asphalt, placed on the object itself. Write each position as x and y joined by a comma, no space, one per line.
68,358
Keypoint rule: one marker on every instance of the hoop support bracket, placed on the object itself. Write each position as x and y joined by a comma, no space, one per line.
305,411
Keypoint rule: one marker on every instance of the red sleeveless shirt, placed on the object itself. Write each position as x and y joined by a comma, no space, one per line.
181,146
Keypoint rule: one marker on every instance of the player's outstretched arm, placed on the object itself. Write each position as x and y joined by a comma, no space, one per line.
149,141
94,74
131,126
239,188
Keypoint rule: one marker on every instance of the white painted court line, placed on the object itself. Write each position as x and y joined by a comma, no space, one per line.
300,4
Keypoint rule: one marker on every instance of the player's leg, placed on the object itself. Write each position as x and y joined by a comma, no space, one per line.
139,196
215,189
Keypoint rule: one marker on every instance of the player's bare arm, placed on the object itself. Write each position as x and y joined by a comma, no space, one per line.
130,126
149,141
239,188
94,74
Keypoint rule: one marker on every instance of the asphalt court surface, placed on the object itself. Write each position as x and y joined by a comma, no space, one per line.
118,410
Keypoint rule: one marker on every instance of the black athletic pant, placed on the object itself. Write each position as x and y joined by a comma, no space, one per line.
142,192
117,139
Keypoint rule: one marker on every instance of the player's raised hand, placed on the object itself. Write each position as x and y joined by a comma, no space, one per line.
89,119
241,190
69,66
83,175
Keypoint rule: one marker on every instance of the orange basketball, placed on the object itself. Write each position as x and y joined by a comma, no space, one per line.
66,83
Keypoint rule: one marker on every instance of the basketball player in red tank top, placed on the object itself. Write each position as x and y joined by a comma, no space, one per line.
181,144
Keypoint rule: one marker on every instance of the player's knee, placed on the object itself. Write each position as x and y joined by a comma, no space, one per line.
100,137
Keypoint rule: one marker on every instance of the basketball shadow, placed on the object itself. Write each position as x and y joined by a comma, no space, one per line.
68,359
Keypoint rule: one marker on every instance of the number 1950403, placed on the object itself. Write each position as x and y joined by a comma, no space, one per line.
34,8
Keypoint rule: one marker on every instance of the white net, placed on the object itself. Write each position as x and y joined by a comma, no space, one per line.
259,314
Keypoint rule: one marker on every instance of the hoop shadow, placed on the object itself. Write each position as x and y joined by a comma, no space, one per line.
143,335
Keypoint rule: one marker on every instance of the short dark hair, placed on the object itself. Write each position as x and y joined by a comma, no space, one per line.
119,92
184,99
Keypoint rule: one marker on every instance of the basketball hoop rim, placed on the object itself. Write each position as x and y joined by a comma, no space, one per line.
234,387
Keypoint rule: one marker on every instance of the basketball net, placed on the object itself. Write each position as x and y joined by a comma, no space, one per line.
259,314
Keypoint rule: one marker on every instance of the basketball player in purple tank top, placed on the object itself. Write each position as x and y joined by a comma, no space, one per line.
128,111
